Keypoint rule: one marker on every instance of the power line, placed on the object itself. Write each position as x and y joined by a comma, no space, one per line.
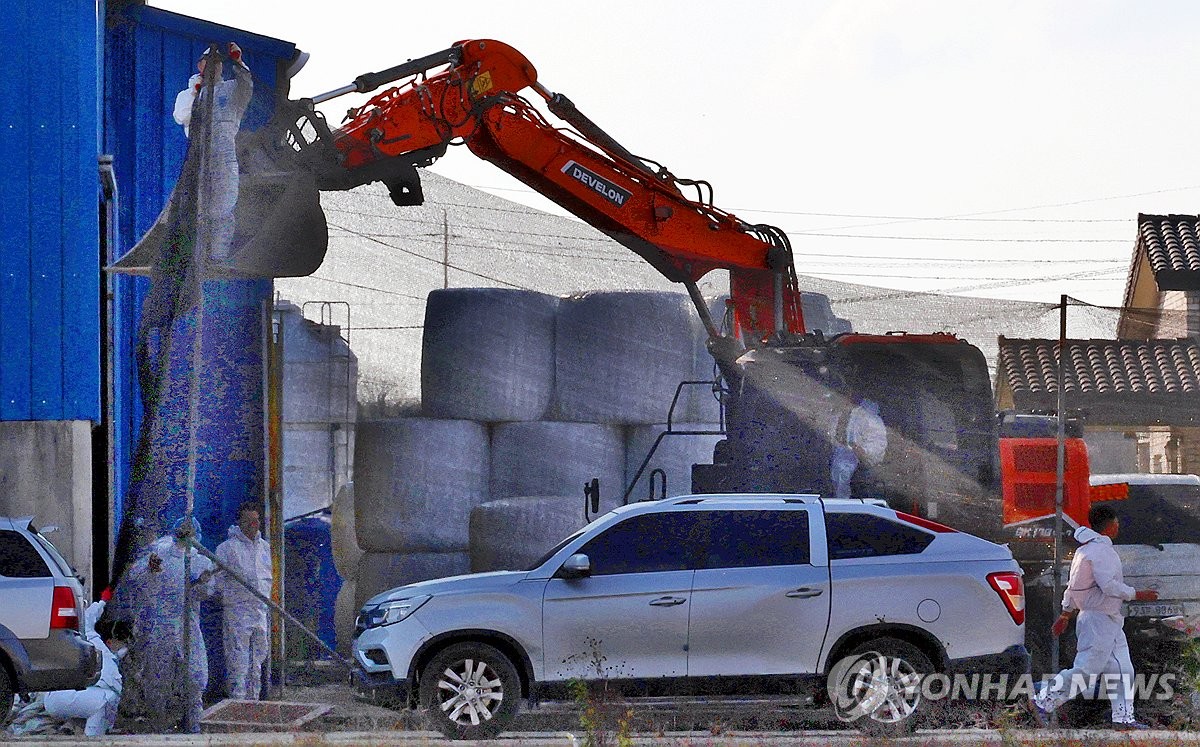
605,241
959,238
975,216
936,218
956,260
430,259
364,287
867,274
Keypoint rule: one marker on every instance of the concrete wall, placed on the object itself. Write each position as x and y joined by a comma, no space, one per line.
1111,452
46,472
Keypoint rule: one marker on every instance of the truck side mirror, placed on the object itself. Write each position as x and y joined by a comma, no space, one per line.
577,566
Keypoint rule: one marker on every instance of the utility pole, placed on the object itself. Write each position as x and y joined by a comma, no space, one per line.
1058,483
445,250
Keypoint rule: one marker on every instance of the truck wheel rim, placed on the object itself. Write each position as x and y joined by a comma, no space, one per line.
469,692
889,691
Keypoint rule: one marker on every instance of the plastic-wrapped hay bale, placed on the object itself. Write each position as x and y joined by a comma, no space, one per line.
343,536
675,456
700,400
550,458
345,610
416,481
488,354
511,534
380,571
619,355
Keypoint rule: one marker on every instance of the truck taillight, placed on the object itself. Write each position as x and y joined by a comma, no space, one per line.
1011,589
64,615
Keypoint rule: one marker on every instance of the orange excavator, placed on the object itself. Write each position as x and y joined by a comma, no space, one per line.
784,388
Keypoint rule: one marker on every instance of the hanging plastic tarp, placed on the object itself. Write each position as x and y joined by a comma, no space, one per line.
201,447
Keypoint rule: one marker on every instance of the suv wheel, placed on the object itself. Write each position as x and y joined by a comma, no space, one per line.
881,692
470,691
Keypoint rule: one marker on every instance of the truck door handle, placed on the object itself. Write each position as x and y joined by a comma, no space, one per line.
804,592
667,601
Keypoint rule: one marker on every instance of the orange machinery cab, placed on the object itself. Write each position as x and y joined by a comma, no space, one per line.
1028,479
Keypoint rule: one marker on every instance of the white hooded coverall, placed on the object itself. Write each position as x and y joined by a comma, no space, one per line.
231,98
98,703
245,622
171,679
1096,587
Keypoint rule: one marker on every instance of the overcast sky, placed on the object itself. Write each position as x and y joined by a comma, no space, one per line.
997,149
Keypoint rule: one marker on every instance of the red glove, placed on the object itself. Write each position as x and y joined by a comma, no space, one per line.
1060,625
106,595
1146,595
235,53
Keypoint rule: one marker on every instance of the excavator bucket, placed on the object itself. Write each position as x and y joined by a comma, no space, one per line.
279,226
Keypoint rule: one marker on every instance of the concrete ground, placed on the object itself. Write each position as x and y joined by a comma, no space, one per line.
949,738
355,721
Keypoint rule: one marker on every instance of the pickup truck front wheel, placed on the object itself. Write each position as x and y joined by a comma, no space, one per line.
880,690
470,691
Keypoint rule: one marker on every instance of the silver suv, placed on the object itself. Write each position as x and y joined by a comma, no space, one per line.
711,594
41,601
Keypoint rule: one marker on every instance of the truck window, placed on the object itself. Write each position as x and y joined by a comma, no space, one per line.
1159,514
648,543
18,558
748,539
853,535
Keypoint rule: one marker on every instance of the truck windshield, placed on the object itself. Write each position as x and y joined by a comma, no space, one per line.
1159,514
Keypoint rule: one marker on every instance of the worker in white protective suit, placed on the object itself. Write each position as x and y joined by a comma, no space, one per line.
173,683
229,103
860,438
1095,591
245,624
97,704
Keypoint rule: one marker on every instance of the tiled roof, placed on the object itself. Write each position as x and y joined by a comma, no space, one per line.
1172,247
1135,377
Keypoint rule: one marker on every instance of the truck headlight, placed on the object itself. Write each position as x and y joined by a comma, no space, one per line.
392,611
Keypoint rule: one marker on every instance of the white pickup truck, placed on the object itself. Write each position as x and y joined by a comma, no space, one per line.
1159,545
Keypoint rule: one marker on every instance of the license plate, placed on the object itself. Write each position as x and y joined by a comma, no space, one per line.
1142,609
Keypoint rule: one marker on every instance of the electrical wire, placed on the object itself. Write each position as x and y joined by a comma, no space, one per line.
431,259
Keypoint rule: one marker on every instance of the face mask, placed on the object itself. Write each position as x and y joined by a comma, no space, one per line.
120,653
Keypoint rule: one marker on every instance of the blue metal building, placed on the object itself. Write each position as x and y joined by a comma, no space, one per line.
49,256
91,153
149,56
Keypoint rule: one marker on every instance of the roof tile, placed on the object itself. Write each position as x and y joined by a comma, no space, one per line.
1172,246
1118,367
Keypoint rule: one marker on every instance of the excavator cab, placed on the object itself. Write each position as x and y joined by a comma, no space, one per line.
787,409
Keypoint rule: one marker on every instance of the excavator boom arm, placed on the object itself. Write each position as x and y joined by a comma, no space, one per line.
476,100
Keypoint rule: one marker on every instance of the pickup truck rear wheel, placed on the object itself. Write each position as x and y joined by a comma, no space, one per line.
880,692
470,691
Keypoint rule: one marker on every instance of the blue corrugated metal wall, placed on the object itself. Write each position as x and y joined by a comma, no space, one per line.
150,53
49,193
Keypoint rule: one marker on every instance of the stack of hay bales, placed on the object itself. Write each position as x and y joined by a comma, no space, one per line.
526,397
